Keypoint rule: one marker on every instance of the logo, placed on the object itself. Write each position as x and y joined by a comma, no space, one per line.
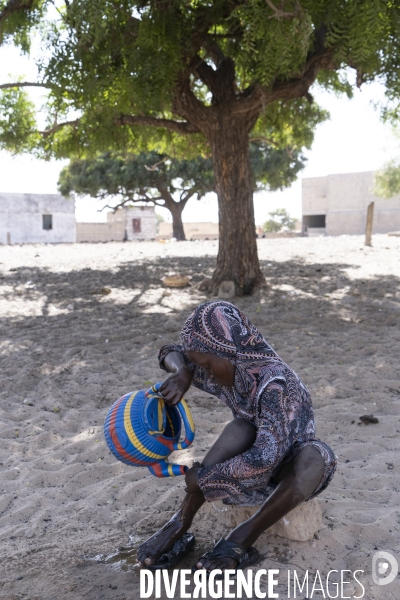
384,568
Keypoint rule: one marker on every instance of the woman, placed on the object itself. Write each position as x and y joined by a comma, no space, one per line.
266,456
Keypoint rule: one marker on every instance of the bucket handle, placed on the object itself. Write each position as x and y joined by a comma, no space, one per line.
187,419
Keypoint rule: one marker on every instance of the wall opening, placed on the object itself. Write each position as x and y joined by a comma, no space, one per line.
47,222
137,225
311,221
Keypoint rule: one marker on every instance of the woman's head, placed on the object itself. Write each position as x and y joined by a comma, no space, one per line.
222,329
218,331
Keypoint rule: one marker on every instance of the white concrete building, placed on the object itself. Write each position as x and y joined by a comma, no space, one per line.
36,218
337,205
140,222
130,223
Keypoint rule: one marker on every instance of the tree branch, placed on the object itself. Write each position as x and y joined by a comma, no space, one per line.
264,139
279,13
18,84
221,81
154,167
15,5
47,132
297,87
164,193
114,208
144,199
188,195
214,50
204,72
178,126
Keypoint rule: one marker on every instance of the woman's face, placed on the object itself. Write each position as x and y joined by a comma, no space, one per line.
218,369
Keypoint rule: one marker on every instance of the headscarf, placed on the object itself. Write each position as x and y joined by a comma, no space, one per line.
221,328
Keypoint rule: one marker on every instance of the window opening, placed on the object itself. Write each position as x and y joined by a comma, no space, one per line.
47,222
311,221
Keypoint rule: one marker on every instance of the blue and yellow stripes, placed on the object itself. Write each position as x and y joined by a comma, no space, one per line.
135,443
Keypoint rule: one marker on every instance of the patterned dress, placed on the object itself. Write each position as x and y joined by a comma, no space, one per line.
266,392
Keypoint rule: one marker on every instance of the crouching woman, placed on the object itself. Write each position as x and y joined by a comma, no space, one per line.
267,456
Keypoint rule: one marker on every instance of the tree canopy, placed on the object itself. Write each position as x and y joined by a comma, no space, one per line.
190,78
279,218
387,181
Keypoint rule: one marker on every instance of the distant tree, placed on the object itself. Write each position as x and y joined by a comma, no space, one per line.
148,177
280,218
164,181
387,181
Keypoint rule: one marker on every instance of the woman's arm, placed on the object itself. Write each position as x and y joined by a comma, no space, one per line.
178,383
174,361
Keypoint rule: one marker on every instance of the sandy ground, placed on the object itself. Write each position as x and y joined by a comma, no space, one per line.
332,311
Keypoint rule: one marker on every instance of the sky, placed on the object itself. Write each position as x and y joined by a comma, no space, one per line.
353,139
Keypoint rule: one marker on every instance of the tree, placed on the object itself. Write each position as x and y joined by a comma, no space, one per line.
387,181
279,218
149,177
156,178
188,76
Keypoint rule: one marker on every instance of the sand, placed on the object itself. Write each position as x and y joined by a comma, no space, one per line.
332,311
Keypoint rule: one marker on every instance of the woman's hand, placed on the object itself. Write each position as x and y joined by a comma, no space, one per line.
176,385
192,487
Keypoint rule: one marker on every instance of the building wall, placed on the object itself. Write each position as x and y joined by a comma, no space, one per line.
21,218
100,232
193,231
344,199
143,216
314,195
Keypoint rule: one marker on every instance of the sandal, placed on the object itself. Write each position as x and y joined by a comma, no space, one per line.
176,554
225,548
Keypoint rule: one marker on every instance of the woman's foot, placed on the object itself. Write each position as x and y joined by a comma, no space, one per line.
150,551
228,554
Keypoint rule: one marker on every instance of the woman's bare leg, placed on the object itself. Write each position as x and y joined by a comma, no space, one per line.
237,437
297,481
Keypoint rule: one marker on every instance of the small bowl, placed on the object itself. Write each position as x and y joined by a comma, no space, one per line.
176,281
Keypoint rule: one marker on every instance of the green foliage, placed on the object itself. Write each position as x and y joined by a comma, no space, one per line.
18,131
148,177
289,124
387,181
274,169
271,48
18,20
336,82
280,218
101,59
143,177
105,59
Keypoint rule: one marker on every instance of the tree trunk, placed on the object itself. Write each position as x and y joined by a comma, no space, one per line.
237,254
176,209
